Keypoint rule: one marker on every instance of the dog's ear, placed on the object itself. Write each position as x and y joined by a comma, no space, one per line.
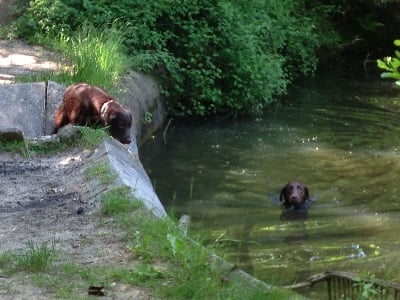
306,194
283,195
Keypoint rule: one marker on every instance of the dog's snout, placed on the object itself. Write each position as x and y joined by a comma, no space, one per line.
294,198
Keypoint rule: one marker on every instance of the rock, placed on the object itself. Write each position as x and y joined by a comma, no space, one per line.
69,133
184,222
45,140
23,105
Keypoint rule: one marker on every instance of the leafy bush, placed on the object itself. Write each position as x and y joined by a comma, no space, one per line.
391,65
211,56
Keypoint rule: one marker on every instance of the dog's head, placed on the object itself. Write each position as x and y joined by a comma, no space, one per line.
119,120
294,194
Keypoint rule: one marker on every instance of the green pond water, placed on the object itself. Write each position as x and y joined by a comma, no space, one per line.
341,137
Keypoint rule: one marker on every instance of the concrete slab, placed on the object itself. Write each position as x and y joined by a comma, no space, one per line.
130,172
23,105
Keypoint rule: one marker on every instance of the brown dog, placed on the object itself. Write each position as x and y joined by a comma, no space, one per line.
296,196
84,104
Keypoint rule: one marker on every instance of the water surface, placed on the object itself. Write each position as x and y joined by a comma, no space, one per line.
340,137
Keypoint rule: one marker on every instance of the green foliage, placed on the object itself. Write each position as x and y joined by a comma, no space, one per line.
117,201
391,65
367,288
140,274
20,147
211,56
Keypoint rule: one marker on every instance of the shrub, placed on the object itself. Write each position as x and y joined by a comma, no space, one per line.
391,65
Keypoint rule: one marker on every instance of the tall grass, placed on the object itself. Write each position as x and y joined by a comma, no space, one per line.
36,258
96,57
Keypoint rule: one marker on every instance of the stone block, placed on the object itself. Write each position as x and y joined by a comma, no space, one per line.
130,172
23,105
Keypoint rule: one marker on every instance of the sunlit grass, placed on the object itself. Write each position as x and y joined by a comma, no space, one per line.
96,57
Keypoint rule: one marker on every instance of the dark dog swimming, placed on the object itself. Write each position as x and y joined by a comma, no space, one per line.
296,201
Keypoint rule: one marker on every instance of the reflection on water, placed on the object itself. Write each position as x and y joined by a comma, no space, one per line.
341,138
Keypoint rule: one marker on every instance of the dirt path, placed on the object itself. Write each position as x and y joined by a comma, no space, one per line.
47,200
19,58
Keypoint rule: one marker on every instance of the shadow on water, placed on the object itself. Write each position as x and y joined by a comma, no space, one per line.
340,137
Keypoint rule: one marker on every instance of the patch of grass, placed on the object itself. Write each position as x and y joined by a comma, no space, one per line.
36,258
57,284
20,147
117,201
46,148
91,137
59,76
101,172
6,259
141,273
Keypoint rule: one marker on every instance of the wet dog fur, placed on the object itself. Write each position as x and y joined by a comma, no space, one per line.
84,104
295,196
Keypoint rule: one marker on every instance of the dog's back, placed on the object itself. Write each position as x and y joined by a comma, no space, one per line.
80,106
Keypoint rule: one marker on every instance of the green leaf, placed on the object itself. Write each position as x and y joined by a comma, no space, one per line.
395,63
397,43
176,244
382,65
390,75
